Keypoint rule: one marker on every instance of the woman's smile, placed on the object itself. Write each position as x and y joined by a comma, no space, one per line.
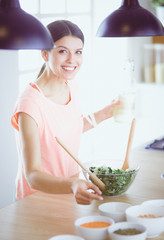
69,68
66,59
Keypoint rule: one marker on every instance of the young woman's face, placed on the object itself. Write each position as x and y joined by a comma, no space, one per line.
66,59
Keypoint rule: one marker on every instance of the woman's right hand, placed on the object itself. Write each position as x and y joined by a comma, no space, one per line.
83,195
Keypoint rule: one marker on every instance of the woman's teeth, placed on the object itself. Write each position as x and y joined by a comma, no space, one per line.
69,68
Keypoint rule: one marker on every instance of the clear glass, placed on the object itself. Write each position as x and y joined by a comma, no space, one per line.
126,110
52,6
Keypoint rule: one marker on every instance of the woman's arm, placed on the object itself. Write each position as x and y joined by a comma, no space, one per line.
99,116
39,180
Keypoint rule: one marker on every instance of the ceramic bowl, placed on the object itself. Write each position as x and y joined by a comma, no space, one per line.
154,225
114,210
93,233
66,237
155,202
116,183
127,225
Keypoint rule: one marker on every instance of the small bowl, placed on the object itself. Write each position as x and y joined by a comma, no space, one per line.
127,225
66,237
155,202
116,183
114,210
154,225
93,233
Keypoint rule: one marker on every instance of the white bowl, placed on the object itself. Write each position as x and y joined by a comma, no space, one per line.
127,225
115,210
66,237
93,233
154,225
155,202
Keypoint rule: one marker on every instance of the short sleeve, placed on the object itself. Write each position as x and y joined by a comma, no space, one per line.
29,107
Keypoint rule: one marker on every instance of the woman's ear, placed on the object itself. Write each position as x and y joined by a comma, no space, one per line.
44,54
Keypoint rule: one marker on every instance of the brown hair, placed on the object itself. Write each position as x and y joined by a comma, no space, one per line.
62,28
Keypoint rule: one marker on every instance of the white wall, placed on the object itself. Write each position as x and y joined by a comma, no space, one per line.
8,153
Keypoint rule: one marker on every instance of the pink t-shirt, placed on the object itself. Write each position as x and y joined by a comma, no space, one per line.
53,120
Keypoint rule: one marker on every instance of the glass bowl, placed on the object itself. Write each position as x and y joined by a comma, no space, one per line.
110,173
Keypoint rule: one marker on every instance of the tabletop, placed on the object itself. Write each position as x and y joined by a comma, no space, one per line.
41,216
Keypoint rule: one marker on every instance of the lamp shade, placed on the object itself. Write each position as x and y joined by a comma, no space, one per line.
20,30
130,20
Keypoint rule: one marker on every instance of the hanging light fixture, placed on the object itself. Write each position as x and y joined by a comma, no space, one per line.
130,20
20,30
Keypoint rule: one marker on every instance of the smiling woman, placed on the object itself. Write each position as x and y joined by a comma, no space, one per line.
48,109
51,10
68,50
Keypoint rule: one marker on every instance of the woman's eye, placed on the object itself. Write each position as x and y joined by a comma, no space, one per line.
63,51
79,52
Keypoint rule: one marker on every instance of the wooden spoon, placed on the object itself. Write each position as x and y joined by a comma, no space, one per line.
93,177
126,161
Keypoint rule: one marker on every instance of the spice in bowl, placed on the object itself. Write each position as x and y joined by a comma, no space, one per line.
95,224
149,216
127,231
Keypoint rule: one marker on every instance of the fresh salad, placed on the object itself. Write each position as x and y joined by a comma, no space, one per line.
116,181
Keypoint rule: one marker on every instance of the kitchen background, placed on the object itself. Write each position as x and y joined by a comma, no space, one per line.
100,79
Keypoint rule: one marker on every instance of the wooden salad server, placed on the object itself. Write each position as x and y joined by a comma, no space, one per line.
93,177
126,161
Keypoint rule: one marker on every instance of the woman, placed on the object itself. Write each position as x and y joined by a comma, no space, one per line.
48,108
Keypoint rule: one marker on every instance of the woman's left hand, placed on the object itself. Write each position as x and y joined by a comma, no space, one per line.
101,115
108,110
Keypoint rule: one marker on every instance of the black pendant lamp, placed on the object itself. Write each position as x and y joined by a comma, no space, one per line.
130,20
20,30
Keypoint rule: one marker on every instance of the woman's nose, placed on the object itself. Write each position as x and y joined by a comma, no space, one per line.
70,57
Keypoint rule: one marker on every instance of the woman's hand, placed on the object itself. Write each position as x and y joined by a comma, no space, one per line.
101,115
107,112
82,193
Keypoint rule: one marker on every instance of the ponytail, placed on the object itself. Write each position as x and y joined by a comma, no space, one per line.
41,70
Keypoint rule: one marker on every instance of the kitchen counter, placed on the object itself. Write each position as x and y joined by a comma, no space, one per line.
41,216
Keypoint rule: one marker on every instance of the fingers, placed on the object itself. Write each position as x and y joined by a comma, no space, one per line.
83,199
87,197
85,192
94,188
116,102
